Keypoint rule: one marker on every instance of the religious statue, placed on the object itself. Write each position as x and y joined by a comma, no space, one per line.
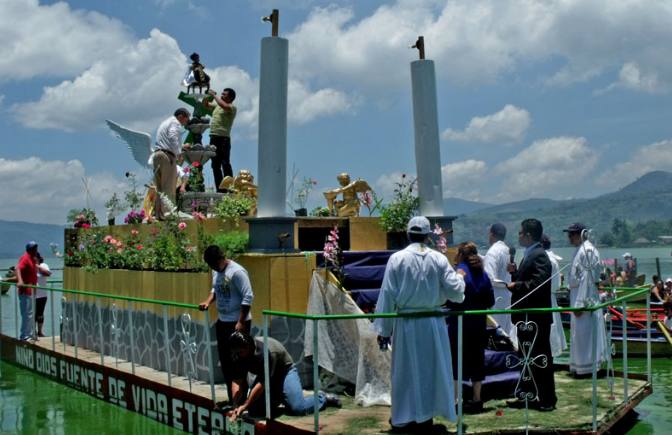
349,205
196,75
243,184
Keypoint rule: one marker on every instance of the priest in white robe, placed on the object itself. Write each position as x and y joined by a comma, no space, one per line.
558,339
417,279
582,280
495,263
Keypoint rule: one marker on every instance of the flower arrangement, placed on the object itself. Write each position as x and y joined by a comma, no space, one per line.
332,254
195,182
405,204
135,217
82,218
441,243
320,211
371,201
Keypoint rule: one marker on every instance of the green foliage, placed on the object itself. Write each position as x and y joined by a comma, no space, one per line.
405,204
114,206
195,182
233,243
320,211
232,206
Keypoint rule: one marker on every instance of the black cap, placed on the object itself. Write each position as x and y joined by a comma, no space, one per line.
576,227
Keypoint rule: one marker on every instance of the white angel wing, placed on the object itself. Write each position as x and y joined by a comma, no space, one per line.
138,142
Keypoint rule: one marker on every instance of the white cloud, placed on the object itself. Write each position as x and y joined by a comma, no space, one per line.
54,40
52,189
507,126
555,167
652,157
305,105
464,179
479,40
386,183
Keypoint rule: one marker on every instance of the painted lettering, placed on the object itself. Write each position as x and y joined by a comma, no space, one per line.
177,414
202,420
190,416
162,407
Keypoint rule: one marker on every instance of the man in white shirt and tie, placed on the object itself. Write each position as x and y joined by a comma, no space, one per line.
495,264
166,149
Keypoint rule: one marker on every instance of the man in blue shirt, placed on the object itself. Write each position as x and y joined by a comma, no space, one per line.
232,293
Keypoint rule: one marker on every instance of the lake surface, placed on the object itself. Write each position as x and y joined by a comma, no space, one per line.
31,404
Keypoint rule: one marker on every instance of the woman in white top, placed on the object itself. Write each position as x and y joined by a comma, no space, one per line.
43,272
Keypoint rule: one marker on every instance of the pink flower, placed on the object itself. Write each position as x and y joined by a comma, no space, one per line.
139,247
119,244
107,239
200,217
112,241
135,232
86,226
181,226
438,230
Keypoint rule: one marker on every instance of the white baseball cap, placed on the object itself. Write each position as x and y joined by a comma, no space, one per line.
626,255
418,225
668,280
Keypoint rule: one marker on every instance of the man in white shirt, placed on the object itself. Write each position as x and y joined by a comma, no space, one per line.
495,263
232,291
419,278
167,148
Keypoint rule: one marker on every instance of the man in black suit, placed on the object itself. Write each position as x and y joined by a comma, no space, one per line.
531,288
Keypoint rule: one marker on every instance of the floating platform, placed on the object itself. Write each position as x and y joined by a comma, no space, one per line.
188,405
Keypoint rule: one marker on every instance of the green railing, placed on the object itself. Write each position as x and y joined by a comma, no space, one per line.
185,318
315,318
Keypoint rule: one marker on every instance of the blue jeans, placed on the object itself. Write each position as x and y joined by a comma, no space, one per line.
292,391
26,307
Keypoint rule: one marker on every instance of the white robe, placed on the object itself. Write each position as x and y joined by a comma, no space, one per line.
582,279
558,339
495,264
419,279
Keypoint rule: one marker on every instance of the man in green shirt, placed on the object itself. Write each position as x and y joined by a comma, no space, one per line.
223,114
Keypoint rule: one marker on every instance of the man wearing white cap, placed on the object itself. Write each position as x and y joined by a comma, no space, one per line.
418,278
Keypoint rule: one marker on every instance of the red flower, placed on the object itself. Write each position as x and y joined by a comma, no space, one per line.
139,247
196,164
86,226
499,413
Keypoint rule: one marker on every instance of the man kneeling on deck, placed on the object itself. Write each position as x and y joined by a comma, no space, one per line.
247,354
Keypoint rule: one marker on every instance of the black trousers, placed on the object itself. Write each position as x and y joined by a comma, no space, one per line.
543,376
224,331
221,162
40,303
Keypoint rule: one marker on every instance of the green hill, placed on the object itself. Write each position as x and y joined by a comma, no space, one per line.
648,198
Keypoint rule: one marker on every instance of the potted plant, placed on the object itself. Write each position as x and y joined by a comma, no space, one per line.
301,197
82,218
113,206
395,216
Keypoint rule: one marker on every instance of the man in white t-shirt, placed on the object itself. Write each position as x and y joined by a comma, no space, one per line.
232,292
43,272
495,263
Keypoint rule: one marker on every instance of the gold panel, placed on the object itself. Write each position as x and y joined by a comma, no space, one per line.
366,234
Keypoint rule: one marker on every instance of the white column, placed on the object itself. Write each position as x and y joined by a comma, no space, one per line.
273,127
427,151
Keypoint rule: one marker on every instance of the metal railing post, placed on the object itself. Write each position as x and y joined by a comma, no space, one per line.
593,399
53,324
16,314
129,310
624,330
316,379
100,333
460,427
210,364
166,343
74,321
648,338
33,317
267,371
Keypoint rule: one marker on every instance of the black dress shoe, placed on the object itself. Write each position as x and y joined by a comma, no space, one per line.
545,408
332,400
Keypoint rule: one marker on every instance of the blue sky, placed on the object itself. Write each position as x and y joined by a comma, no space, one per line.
552,99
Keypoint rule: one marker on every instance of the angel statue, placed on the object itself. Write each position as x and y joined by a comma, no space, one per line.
243,183
349,205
